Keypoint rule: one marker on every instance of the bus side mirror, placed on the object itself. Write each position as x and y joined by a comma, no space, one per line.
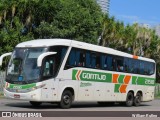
4,55
42,56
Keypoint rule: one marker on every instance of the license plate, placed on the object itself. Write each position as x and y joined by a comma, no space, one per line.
16,96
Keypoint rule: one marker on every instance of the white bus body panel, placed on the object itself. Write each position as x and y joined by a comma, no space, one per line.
96,91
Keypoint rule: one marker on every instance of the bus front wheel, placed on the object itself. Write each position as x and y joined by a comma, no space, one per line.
129,99
66,99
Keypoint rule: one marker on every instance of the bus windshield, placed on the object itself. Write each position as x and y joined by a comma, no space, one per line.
22,67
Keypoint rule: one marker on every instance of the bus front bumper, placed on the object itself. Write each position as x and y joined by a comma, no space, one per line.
34,95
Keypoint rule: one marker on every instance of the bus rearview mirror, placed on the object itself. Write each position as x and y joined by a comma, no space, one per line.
4,55
42,56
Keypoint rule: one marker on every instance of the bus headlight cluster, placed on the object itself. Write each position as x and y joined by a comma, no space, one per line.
37,87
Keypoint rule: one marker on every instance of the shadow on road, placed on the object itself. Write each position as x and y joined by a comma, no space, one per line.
75,105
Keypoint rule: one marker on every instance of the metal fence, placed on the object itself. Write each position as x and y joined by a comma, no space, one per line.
157,89
2,78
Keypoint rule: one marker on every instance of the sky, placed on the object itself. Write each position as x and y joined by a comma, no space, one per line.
140,11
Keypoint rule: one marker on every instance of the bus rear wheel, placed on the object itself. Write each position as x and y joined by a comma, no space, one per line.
137,99
66,99
35,104
129,99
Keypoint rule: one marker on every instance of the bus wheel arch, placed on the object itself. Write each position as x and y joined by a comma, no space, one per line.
67,97
138,98
130,98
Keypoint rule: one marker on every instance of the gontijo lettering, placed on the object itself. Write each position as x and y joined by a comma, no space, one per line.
93,76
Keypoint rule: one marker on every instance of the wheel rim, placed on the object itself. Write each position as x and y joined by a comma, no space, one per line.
130,99
66,99
138,99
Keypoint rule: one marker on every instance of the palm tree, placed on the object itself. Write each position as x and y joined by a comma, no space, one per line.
118,41
129,38
109,30
3,9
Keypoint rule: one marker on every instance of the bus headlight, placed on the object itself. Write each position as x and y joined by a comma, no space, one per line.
37,87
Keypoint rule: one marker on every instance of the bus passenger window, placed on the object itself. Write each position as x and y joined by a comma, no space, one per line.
101,62
136,66
146,68
71,61
98,63
120,67
59,56
130,65
151,68
82,59
77,58
114,64
104,62
93,60
142,67
126,65
88,59
109,63
72,58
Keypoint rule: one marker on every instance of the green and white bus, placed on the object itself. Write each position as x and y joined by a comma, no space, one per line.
62,71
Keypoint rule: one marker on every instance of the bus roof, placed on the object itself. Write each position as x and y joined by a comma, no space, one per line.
44,43
77,44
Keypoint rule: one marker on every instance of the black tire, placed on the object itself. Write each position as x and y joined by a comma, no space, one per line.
66,99
129,99
35,104
137,99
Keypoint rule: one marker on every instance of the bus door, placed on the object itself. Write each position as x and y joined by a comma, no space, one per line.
48,73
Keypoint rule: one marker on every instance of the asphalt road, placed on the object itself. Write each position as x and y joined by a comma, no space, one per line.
82,109
17,105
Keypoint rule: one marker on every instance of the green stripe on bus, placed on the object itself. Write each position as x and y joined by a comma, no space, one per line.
116,88
74,72
120,79
22,86
107,77
145,81
134,78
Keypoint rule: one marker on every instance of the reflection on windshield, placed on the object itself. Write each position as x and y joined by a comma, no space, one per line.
30,69
23,64
15,64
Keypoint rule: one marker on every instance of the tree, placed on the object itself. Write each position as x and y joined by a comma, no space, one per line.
78,19
133,39
109,29
22,20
